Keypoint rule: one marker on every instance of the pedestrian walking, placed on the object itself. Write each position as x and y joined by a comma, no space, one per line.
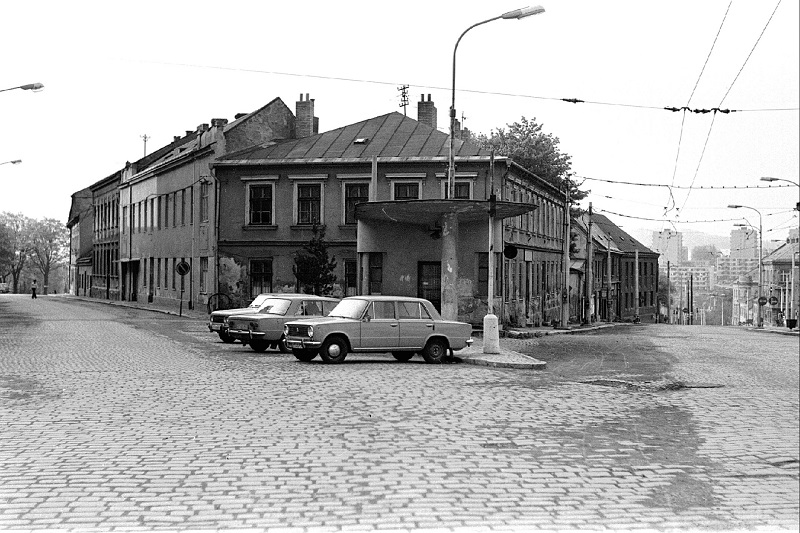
33,289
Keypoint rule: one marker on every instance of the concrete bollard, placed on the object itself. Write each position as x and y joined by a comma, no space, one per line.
491,334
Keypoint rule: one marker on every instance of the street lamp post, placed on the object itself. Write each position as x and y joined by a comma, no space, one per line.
450,220
27,87
760,261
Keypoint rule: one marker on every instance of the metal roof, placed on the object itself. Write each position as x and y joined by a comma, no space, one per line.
392,136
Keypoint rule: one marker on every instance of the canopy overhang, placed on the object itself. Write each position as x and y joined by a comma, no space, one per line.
430,212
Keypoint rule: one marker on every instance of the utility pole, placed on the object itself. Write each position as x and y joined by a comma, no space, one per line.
145,138
636,282
565,290
669,296
589,272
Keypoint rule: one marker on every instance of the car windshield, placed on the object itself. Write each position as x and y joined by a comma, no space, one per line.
260,299
275,306
350,308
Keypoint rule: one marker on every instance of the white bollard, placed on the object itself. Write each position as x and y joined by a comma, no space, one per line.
491,334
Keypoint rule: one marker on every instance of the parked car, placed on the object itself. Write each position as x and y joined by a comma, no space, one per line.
401,325
216,320
264,328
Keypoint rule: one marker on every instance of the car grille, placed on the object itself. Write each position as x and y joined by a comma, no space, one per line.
218,319
298,331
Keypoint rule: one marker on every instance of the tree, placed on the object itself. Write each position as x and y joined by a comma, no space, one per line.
533,149
18,231
313,269
49,245
6,250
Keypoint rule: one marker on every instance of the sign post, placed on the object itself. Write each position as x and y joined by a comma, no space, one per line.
182,269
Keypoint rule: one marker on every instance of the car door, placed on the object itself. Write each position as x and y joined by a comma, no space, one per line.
415,325
380,328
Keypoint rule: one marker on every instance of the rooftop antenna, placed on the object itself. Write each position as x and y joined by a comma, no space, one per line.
403,98
144,138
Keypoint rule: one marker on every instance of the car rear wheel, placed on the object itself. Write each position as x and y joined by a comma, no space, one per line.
333,350
304,355
224,337
259,346
403,356
435,351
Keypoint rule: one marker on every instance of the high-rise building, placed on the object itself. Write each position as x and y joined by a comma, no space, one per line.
669,244
744,243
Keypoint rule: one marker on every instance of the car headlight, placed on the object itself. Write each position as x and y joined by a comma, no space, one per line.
310,331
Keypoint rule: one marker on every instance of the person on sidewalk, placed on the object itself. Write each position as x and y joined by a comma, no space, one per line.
33,289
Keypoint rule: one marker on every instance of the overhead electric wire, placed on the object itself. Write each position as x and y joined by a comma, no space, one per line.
709,53
462,90
700,188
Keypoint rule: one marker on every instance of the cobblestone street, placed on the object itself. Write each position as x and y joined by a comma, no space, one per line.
117,418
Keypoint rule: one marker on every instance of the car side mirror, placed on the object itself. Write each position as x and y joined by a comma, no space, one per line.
367,318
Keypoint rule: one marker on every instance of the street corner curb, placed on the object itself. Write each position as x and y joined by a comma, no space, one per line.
507,359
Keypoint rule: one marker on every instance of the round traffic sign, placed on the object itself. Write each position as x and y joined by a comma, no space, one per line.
773,300
182,268
762,300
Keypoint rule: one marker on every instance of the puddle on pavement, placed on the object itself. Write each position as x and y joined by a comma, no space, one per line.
651,386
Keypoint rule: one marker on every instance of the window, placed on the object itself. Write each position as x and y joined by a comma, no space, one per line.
144,222
463,190
483,274
381,310
260,277
353,194
406,191
203,273
166,273
375,273
174,274
183,207
124,219
412,310
191,204
309,308
260,205
204,202
308,203
166,211
175,209
350,277
158,213
139,217
152,213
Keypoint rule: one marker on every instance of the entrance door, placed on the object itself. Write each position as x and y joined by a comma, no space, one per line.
429,282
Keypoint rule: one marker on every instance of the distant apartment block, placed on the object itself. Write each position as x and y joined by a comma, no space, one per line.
669,244
744,243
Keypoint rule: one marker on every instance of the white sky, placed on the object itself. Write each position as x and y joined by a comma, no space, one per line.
114,71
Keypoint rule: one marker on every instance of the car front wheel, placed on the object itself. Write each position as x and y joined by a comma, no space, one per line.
304,355
435,351
282,345
224,337
333,350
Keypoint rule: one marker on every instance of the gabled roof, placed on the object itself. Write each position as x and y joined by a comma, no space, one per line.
387,136
621,239
783,254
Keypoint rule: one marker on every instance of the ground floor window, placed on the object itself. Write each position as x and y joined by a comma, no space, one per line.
260,276
350,277
203,274
375,273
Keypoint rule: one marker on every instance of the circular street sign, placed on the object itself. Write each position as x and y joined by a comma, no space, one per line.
762,300
685,309
182,268
773,300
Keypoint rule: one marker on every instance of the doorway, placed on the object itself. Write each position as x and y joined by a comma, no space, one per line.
429,282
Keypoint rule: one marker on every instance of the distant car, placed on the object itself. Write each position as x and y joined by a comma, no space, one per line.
264,328
216,321
401,325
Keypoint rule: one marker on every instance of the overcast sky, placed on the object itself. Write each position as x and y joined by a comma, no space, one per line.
114,71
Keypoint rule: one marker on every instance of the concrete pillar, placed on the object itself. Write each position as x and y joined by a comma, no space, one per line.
491,334
449,266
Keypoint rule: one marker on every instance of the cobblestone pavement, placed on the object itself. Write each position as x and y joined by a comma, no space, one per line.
120,419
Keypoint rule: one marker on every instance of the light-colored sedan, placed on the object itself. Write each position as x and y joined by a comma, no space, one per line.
216,320
264,328
401,325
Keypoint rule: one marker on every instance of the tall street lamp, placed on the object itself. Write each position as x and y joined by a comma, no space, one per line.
450,220
27,87
760,261
13,162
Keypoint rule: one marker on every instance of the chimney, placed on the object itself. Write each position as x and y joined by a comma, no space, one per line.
426,112
218,122
176,138
240,115
202,127
305,122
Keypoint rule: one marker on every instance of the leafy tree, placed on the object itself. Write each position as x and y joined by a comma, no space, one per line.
313,269
533,149
6,251
18,231
49,245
